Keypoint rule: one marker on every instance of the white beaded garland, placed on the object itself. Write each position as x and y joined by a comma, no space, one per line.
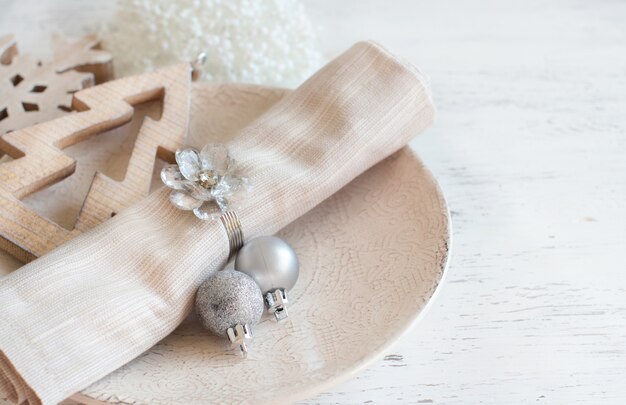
267,42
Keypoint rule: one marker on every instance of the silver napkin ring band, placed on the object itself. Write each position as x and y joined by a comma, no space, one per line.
233,230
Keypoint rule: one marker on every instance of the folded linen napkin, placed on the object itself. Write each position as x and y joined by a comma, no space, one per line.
76,314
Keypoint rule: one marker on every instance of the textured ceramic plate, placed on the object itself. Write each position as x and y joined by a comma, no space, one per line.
371,257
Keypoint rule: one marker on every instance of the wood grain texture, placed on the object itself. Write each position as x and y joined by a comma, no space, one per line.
39,160
35,91
529,147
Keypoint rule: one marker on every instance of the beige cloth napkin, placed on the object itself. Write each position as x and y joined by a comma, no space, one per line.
92,305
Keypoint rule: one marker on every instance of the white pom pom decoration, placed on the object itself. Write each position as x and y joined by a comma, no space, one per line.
266,42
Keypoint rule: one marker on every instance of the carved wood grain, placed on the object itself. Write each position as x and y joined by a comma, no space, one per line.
39,160
35,91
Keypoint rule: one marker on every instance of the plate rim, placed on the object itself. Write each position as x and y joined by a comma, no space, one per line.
374,355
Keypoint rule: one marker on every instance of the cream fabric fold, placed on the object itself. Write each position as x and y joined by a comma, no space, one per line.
97,302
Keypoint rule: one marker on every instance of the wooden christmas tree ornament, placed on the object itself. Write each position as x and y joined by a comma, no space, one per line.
39,160
34,91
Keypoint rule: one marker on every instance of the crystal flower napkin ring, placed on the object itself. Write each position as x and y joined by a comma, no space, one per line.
206,182
230,302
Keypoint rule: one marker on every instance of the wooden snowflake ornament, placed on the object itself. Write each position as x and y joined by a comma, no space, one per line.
33,91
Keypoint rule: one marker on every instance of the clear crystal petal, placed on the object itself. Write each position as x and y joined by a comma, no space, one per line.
208,211
172,177
215,157
232,168
197,191
222,203
184,201
239,195
234,190
188,163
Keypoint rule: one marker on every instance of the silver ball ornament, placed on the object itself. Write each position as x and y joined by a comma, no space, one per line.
273,264
228,304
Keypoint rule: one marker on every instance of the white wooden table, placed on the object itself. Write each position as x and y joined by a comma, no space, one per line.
530,149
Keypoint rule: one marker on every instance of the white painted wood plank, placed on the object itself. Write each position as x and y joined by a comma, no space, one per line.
529,147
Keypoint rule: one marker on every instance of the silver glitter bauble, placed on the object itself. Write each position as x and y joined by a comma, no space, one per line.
273,264
228,304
